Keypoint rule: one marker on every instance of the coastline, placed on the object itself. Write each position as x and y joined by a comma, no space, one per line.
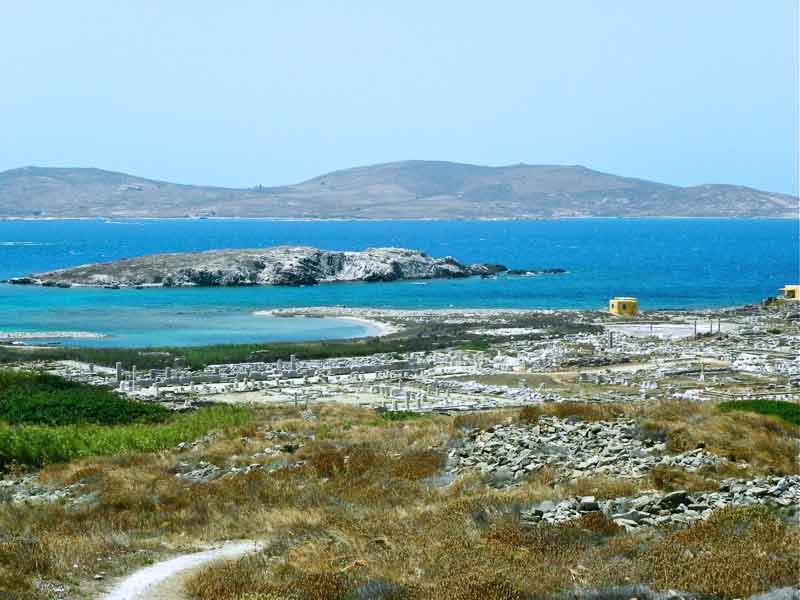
370,313
409,219
379,327
35,335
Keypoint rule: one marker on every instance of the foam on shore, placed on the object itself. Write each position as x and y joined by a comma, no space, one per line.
38,335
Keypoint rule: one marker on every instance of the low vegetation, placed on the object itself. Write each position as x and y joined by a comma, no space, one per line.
787,411
401,415
38,445
46,419
357,508
39,398
198,357
585,411
481,344
766,443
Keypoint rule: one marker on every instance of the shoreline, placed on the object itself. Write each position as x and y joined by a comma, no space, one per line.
410,219
34,335
383,322
380,328
372,313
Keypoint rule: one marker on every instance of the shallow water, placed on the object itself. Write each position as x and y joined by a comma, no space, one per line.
666,263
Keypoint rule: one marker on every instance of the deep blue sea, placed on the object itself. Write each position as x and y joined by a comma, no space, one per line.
666,263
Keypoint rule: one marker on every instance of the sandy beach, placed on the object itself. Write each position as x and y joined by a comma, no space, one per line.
380,328
403,313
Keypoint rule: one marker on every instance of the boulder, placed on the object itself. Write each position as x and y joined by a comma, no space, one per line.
674,499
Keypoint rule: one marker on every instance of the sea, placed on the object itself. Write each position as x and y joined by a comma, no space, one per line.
666,263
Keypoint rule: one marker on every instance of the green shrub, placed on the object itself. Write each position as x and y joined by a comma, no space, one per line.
38,445
39,398
400,415
787,411
481,344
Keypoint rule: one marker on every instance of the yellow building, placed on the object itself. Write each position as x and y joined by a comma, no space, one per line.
791,292
623,306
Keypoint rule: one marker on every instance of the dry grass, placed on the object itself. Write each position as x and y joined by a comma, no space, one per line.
467,552
669,479
766,443
584,411
362,517
482,419
530,414
730,555
604,488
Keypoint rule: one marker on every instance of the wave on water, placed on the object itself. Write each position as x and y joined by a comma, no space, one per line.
15,243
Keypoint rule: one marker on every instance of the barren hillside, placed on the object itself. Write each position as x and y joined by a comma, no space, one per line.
401,190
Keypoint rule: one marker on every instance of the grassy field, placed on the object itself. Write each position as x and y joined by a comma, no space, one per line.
39,398
46,419
198,357
358,511
787,411
39,445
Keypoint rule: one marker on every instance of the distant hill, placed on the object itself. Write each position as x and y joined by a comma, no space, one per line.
402,190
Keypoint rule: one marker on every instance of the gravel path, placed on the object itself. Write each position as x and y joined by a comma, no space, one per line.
164,580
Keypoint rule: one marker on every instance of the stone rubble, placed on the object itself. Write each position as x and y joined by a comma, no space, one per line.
518,395
506,453
203,441
204,472
30,490
672,508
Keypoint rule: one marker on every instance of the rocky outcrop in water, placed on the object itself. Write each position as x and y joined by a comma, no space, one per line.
281,265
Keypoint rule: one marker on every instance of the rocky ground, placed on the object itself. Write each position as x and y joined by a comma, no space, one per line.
673,508
506,453
617,465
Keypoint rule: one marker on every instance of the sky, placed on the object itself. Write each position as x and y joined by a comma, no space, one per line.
251,92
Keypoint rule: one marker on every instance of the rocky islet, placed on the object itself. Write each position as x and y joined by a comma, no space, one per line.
280,265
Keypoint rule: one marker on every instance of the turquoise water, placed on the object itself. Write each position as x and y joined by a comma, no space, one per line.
666,263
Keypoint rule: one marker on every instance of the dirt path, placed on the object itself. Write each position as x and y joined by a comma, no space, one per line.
164,580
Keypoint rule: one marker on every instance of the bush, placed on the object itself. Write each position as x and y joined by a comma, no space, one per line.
531,414
481,344
400,415
586,411
39,398
787,411
38,445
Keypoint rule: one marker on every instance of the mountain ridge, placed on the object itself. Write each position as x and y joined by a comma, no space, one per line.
414,189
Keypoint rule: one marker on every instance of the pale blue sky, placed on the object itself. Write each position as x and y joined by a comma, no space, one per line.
246,92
